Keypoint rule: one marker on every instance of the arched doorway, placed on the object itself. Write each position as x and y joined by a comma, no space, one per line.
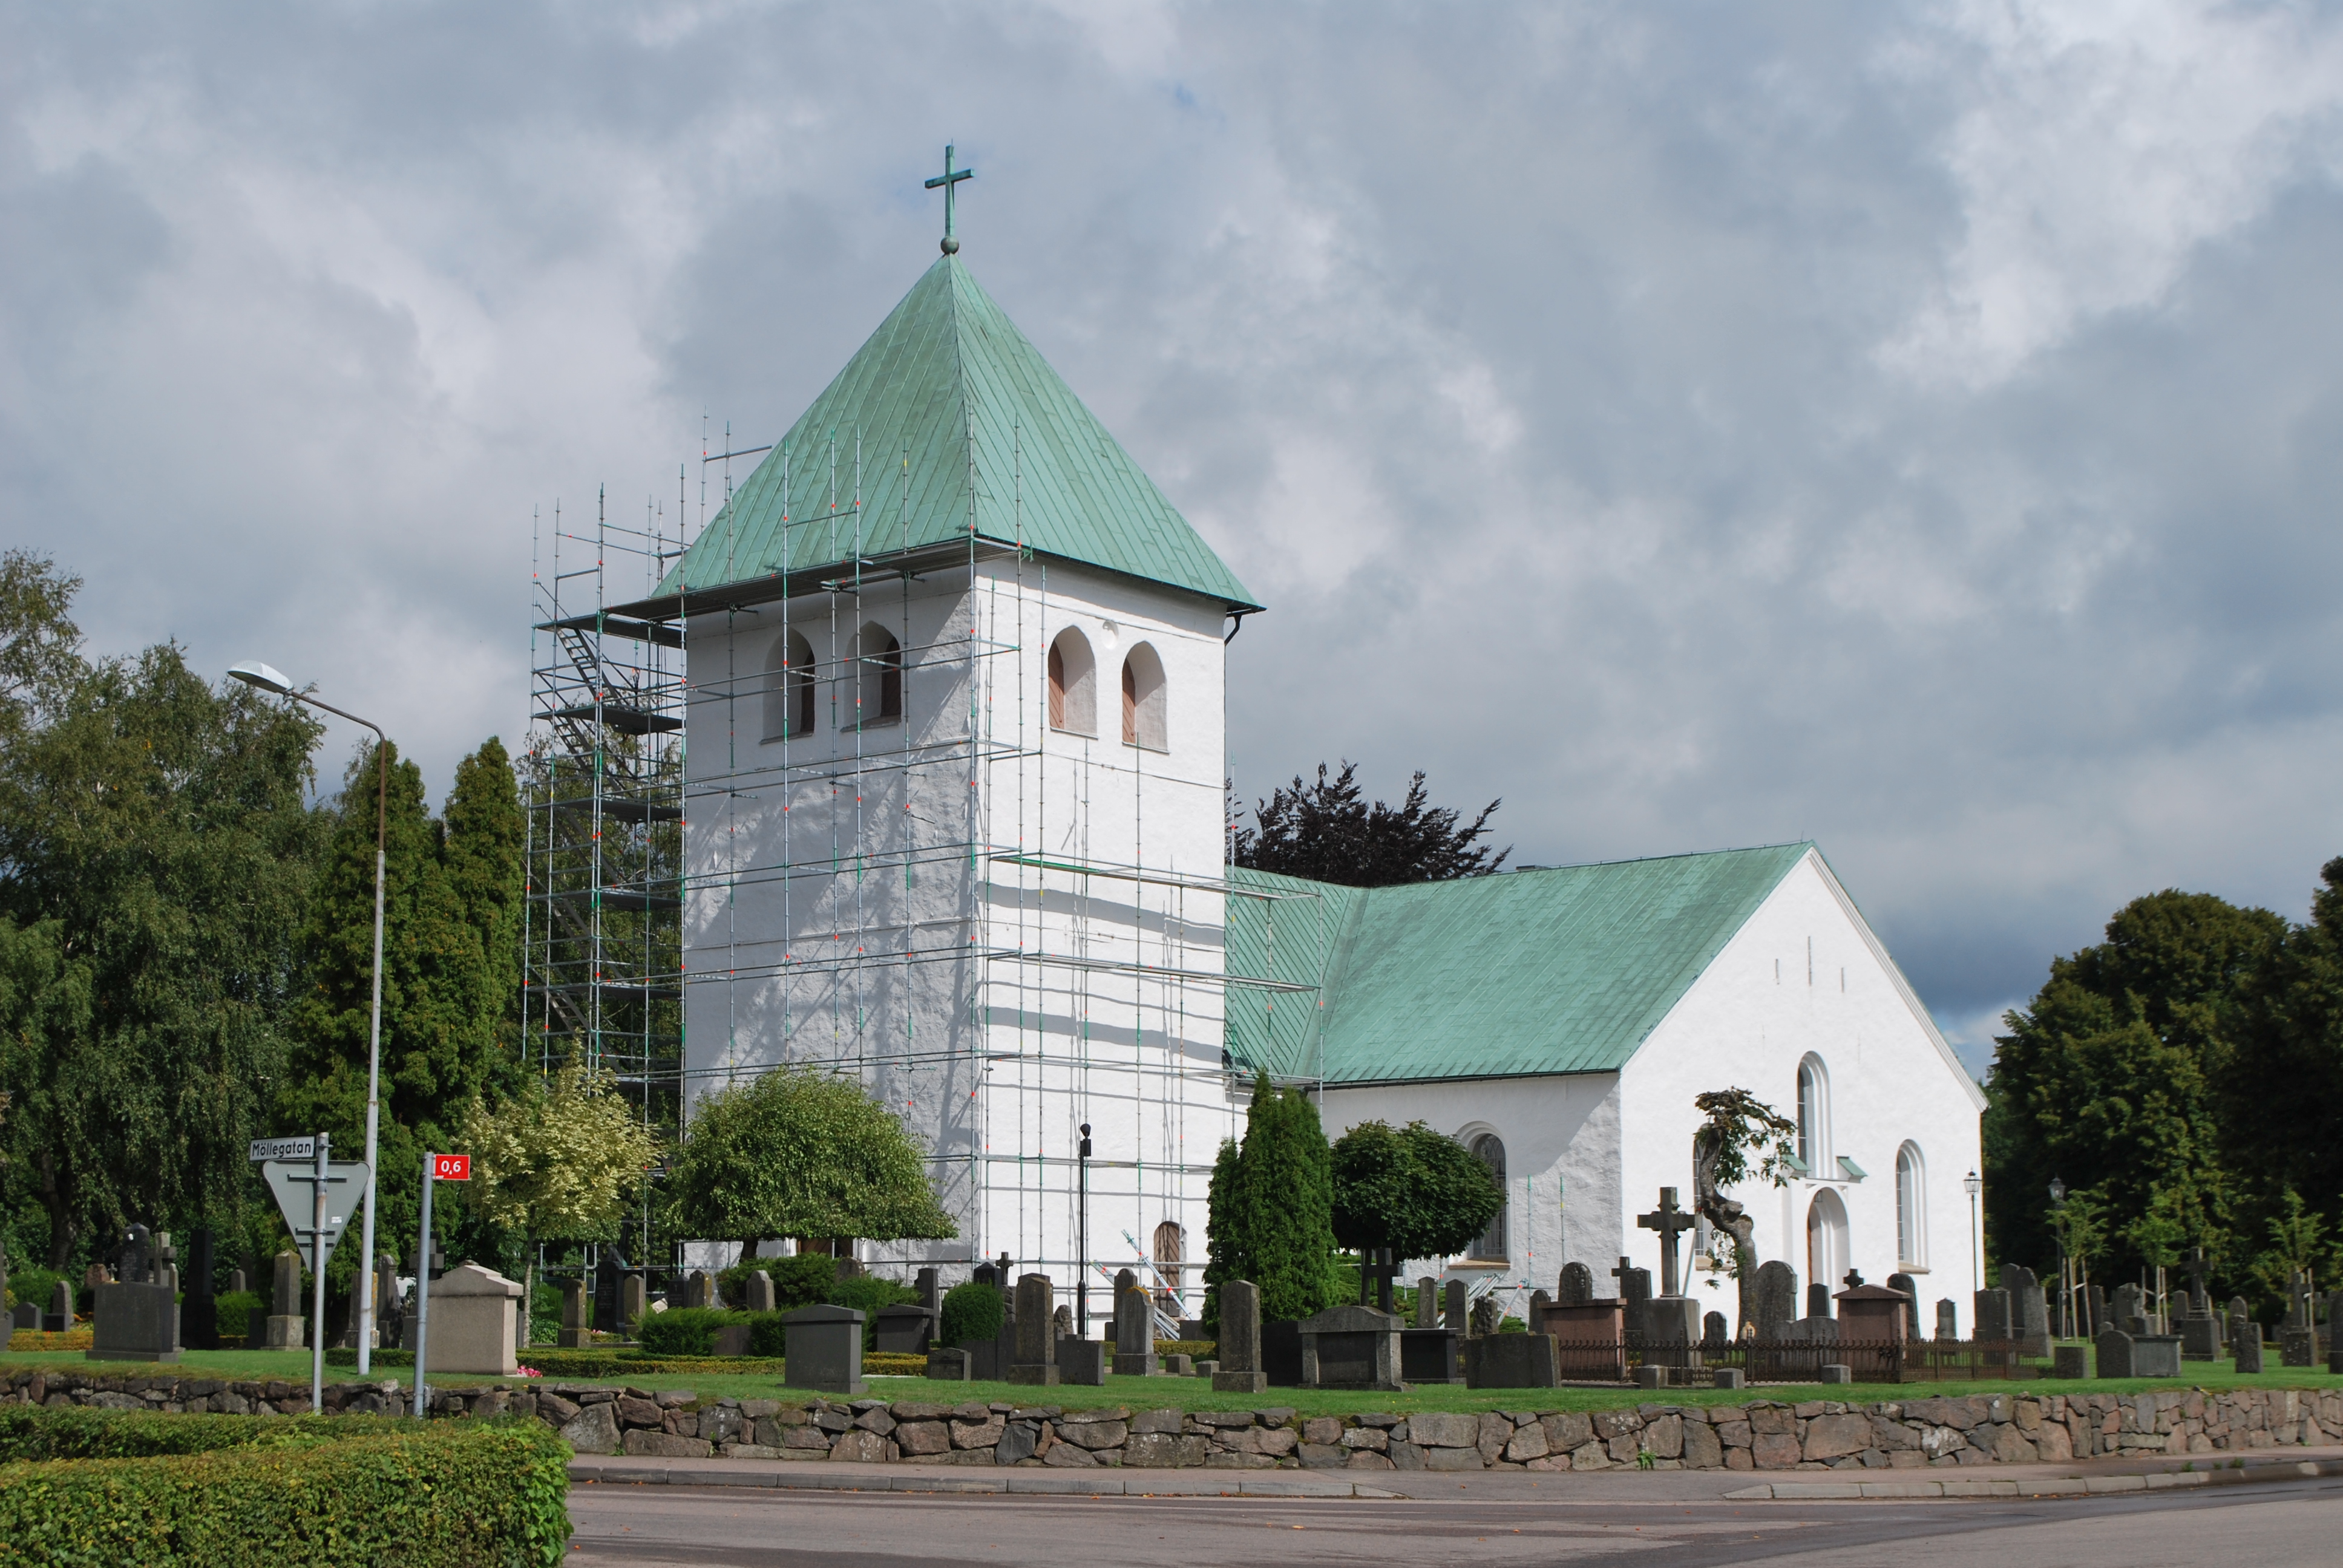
1827,1240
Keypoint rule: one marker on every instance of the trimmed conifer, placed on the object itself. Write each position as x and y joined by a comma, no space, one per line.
1271,1207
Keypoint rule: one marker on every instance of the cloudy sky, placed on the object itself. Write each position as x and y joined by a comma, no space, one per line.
1913,427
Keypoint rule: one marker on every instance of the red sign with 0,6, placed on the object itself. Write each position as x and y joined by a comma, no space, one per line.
451,1167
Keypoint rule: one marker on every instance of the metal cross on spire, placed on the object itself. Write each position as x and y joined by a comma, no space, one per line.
947,179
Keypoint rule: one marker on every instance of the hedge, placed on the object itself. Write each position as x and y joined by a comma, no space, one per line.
973,1312
353,1490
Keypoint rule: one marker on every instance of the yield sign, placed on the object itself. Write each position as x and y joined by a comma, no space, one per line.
294,1180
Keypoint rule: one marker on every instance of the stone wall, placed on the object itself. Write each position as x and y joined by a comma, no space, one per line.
1764,1434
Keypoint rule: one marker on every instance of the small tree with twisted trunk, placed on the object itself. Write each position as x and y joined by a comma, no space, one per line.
1742,1137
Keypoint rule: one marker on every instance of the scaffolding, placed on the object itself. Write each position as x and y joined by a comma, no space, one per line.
886,864
603,789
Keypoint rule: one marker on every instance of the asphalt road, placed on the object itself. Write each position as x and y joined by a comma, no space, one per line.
2267,1526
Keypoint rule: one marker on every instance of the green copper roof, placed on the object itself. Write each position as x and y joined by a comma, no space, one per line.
963,427
1553,970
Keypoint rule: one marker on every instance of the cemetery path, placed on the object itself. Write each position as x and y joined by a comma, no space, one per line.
2272,1526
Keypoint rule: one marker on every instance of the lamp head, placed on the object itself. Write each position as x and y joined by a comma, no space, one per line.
2057,1190
252,672
1973,1183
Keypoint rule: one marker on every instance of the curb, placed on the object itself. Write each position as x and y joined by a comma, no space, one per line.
2070,1486
1023,1482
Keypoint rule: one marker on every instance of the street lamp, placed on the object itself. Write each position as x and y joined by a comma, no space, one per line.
252,672
1973,1184
1082,1236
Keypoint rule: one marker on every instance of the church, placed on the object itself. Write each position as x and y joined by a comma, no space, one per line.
955,825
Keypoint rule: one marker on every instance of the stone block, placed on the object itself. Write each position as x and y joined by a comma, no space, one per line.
1838,1371
1082,1362
593,1429
1166,1451
665,1445
135,1323
474,1314
2070,1363
1728,1377
950,1365
1436,1429
1512,1360
824,1347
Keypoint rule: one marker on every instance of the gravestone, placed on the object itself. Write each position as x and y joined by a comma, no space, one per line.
1539,1302
4,1280
824,1347
1990,1314
2200,1299
1948,1321
2156,1355
1062,1321
1037,1341
25,1315
1668,1222
610,1269
235,1282
2201,1337
1911,1289
634,1291
2114,1349
1487,1317
2246,1343
929,1284
1352,1347
1512,1360
759,1291
136,1319
475,1313
574,1335
1427,1302
1715,1333
950,1364
1240,1369
1872,1320
2097,1296
903,1330
285,1322
2071,1363
2129,1307
387,1302
61,1308
1777,1297
1634,1294
1082,1362
2029,1313
1672,1332
1455,1307
199,1313
1430,1355
1818,1299
699,1290
1577,1287
1379,1269
1134,1330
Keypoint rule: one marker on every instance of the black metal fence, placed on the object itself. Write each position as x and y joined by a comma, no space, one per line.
1795,1360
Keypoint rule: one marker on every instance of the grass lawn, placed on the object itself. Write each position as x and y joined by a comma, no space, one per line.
1196,1393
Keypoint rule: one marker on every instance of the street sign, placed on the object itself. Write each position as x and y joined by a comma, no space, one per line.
295,1182
283,1149
451,1167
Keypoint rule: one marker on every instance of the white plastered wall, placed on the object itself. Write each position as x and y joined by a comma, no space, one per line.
1805,975
906,966
1563,1150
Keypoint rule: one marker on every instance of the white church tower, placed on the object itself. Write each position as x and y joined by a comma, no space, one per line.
954,820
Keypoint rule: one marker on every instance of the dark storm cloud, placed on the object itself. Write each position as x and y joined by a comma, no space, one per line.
1910,428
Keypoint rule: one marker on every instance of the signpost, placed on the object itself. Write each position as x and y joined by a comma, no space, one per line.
317,1217
436,1168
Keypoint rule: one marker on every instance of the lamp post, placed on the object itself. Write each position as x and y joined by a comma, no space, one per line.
2066,1292
1973,1184
1082,1237
254,673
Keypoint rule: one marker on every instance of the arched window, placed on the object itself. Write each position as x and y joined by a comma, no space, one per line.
1489,1151
1911,1209
1814,1118
1171,1251
788,688
1073,684
1826,1239
1142,699
878,661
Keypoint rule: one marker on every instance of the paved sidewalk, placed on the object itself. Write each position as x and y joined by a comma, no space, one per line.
2073,1478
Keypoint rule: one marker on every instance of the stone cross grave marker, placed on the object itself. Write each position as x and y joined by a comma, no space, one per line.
1635,1284
2130,1307
1378,1268
1669,1222
2200,1304
1577,1287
